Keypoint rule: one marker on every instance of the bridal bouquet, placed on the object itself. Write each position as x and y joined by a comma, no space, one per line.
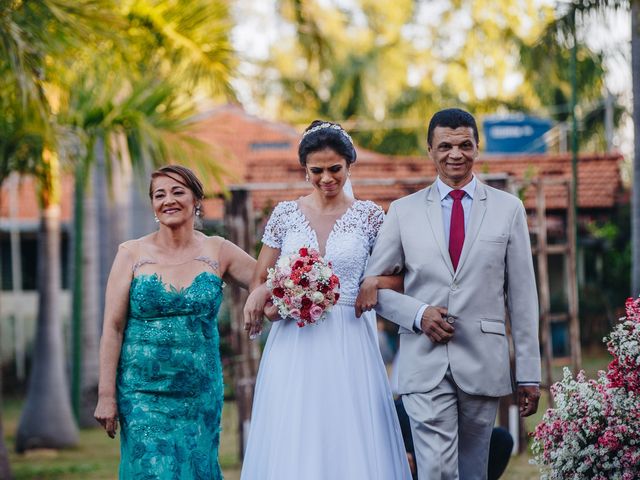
594,430
303,286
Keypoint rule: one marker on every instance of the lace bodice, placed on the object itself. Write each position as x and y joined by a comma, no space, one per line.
348,245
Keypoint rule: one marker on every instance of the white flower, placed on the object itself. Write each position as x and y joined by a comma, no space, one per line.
288,283
283,266
317,297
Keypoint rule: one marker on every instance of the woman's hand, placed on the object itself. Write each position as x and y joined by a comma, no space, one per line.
107,414
367,296
254,309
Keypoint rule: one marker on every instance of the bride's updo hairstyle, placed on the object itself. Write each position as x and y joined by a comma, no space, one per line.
320,135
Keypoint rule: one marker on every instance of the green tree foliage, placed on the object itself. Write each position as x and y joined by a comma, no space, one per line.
385,67
139,88
547,64
34,35
79,74
570,14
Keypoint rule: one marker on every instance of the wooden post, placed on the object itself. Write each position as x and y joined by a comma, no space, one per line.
543,281
239,224
571,258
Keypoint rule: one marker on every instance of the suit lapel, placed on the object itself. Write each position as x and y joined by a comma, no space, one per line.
434,215
478,209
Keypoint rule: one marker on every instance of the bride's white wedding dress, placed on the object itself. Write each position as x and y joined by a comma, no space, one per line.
323,409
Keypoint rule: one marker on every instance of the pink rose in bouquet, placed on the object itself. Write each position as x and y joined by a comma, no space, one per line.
303,286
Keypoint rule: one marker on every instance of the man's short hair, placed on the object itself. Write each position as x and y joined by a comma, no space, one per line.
452,118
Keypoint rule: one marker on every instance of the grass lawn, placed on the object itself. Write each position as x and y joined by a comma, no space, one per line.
97,456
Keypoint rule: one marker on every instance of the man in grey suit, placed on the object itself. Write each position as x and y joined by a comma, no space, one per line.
464,250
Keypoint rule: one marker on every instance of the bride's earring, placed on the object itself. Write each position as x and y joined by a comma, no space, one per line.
306,177
156,219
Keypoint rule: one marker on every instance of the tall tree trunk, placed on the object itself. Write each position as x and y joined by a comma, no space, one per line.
90,303
114,208
635,220
47,421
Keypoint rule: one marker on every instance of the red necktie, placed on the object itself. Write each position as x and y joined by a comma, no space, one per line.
456,230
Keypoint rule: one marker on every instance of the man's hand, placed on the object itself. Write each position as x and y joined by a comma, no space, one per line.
271,311
435,326
528,396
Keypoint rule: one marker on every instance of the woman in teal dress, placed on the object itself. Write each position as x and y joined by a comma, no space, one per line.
160,368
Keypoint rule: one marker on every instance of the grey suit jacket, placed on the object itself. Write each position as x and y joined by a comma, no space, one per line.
494,282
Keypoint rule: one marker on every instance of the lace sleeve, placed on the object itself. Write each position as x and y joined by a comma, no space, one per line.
276,226
374,222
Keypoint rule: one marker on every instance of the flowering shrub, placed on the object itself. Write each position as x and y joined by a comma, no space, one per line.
303,286
594,431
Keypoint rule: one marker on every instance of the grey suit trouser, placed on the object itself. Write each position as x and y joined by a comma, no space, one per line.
451,431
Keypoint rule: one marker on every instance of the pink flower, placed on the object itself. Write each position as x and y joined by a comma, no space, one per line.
602,415
316,312
301,281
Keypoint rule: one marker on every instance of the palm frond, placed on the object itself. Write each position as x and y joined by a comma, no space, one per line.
32,31
156,121
192,36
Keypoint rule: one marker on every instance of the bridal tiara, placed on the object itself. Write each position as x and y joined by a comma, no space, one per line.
333,126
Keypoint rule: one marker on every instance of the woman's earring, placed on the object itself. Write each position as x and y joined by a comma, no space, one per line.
306,177
348,173
198,211
156,219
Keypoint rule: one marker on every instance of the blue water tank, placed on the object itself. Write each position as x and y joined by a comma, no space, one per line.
515,134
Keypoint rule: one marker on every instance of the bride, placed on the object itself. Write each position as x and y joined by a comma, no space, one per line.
323,408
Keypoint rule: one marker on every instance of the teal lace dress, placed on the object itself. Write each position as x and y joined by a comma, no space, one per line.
169,381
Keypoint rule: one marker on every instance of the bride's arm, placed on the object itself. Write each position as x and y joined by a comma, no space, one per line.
368,294
259,298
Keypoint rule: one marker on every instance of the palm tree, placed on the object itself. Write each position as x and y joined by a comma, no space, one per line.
20,147
151,113
46,420
152,120
24,149
192,52
31,32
